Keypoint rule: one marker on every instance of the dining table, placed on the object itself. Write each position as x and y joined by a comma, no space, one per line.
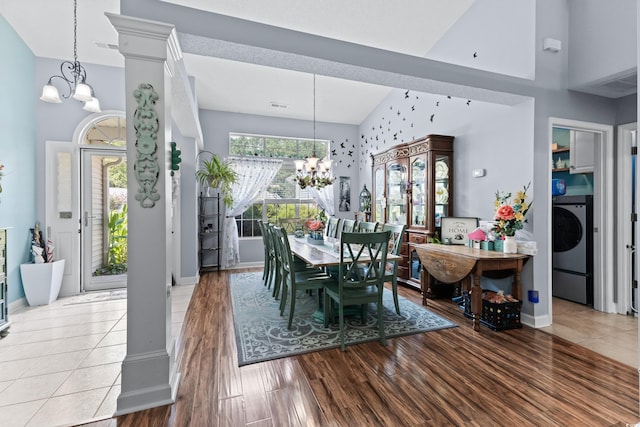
325,254
322,254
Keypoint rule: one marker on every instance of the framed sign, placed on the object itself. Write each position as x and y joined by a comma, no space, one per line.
457,228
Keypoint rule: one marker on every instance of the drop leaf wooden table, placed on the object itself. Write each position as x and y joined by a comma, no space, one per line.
453,263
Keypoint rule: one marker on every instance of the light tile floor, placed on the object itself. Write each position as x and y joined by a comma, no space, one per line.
60,363
614,335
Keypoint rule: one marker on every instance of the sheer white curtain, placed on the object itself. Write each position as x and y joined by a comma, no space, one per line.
254,175
324,198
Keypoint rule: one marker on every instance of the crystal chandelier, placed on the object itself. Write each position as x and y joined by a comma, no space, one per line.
313,171
75,76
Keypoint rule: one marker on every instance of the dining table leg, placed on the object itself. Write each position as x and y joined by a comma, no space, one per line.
476,300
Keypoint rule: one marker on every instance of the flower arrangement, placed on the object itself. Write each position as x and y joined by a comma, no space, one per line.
510,212
316,226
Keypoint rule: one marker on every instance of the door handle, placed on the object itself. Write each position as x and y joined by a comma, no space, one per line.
86,218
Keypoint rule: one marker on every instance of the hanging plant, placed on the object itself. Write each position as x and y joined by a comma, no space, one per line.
218,173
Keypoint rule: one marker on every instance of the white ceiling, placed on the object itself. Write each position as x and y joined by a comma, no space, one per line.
47,28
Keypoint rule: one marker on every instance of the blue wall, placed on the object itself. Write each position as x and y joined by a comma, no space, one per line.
17,151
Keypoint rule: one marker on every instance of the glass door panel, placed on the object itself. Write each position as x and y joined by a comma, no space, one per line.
397,193
104,221
442,178
416,265
418,192
379,199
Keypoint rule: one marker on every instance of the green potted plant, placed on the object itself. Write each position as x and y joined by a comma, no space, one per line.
218,173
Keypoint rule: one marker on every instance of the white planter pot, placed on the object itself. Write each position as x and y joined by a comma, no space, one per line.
42,281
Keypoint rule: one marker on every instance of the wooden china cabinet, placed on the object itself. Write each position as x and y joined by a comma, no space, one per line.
413,185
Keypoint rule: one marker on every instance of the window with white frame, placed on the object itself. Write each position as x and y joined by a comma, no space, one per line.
283,199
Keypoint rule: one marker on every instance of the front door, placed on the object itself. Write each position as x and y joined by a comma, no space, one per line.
104,218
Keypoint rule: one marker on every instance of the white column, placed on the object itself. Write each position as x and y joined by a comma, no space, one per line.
149,375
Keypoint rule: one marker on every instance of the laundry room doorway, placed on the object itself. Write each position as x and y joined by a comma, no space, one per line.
582,157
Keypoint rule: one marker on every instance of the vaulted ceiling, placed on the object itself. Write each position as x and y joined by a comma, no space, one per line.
47,28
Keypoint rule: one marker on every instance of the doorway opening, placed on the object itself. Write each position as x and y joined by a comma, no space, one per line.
104,218
584,164
103,205
85,188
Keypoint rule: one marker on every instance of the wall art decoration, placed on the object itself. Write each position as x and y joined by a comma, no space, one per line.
345,194
146,124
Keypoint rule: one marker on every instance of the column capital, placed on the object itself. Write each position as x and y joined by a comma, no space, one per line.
145,39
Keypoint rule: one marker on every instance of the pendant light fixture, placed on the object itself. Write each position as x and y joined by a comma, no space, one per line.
312,171
74,75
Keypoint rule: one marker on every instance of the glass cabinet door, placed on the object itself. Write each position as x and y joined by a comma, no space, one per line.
397,193
442,187
379,202
418,192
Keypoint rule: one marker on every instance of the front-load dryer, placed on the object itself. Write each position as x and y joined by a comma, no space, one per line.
573,248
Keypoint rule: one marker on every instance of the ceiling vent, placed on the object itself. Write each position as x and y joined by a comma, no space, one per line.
107,45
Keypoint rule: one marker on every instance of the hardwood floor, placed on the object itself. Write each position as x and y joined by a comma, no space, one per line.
456,376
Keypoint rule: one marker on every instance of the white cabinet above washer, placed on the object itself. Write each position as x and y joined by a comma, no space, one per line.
582,151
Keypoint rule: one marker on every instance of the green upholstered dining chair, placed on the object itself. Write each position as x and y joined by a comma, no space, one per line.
333,227
348,226
367,227
397,232
360,278
293,278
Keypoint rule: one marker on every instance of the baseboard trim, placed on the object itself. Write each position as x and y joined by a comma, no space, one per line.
535,321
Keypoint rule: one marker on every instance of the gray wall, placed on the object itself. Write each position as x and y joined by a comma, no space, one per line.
626,109
216,126
602,39
493,137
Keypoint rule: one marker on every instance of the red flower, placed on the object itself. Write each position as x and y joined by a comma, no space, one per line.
505,212
314,225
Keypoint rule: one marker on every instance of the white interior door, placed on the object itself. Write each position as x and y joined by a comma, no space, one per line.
62,207
103,219
626,244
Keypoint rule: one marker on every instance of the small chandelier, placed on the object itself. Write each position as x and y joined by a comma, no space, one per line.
75,76
312,171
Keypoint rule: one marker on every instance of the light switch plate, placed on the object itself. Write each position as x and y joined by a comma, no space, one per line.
477,173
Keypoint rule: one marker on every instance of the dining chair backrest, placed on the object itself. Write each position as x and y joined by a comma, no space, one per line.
283,251
333,225
362,259
273,275
367,227
348,225
290,224
397,232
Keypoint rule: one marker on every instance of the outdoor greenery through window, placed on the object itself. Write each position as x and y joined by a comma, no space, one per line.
283,199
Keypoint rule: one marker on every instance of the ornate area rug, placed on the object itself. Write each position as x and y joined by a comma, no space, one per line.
262,334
